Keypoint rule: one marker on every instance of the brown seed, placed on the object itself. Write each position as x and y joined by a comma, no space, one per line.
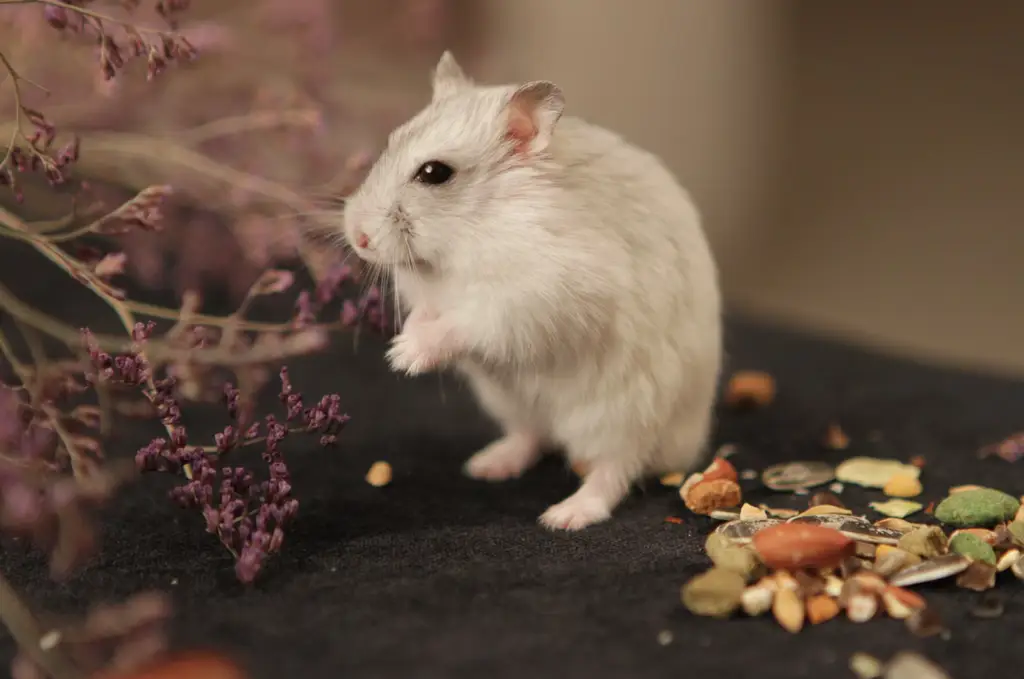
379,474
836,438
809,585
866,550
925,622
978,577
197,665
826,498
821,608
707,496
792,546
991,605
788,610
749,388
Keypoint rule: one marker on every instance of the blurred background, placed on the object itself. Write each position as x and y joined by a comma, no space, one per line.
859,164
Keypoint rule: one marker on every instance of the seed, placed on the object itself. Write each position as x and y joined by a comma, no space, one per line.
909,665
909,599
826,498
897,508
673,479
687,485
896,524
750,388
836,438
49,641
379,474
788,610
793,476
865,666
893,560
749,511
927,541
707,496
792,546
1016,530
732,557
978,577
981,507
895,608
778,513
925,622
861,607
1007,560
960,489
972,546
819,510
903,485
866,550
742,532
757,599
1018,568
724,515
715,593
720,468
989,606
833,586
821,608
937,568
664,637
985,535
872,472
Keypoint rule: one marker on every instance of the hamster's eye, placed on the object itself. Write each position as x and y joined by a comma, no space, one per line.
434,172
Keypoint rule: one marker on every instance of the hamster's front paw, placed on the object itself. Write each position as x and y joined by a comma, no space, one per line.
411,355
504,459
576,513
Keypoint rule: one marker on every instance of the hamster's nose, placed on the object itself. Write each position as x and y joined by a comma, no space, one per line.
362,240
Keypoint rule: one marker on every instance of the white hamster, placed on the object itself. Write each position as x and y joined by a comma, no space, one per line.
561,270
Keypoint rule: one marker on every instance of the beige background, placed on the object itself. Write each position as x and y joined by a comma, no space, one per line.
860,164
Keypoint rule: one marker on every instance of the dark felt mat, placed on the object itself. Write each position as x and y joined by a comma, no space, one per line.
440,576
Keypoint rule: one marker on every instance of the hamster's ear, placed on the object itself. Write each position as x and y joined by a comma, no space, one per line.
533,111
448,77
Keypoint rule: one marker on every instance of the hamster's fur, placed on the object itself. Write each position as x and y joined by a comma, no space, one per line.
562,271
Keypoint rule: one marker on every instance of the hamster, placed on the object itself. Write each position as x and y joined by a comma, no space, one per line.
561,270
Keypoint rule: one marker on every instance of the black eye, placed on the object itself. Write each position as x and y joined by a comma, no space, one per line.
434,172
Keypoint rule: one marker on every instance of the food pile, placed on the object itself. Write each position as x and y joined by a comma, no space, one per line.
810,566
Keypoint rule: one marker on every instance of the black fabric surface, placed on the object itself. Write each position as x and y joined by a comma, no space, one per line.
437,575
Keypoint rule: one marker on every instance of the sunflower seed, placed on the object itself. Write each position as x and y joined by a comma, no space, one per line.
940,567
793,476
742,532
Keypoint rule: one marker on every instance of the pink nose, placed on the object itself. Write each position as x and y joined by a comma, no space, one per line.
362,240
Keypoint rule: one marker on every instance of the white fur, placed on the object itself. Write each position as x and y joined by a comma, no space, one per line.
573,287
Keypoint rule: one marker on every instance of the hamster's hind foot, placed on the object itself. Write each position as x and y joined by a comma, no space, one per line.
604,487
504,459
